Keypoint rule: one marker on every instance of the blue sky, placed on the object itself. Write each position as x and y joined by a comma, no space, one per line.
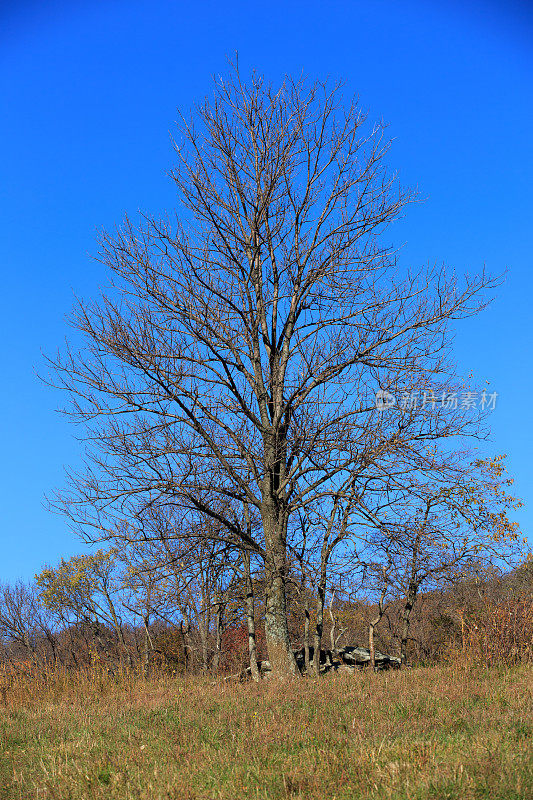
88,95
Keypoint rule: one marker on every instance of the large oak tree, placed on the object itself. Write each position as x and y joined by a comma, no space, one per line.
234,361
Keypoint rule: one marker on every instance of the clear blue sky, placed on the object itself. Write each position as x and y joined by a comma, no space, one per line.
88,97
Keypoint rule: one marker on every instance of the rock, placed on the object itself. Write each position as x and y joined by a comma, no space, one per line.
360,656
354,655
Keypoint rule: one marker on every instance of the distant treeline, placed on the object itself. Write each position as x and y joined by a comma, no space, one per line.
98,610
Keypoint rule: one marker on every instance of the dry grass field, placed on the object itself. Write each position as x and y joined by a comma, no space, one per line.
441,732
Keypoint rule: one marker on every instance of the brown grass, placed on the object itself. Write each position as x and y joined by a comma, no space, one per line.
441,732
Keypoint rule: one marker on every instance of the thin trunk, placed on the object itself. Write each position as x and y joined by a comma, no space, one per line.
377,619
321,596
185,628
412,590
325,553
332,634
52,642
319,628
410,601
250,618
333,628
72,647
371,646
306,636
129,660
205,651
148,646
203,619
219,616
100,639
28,644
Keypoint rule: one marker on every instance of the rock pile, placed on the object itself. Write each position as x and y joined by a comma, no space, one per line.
350,656
348,659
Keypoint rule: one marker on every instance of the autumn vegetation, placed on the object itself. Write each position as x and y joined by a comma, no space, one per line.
439,732
79,616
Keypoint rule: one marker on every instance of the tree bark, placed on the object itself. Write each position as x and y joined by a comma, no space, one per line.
205,651
280,655
325,553
250,618
410,601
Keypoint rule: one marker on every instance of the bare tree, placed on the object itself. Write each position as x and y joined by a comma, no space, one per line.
237,355
198,569
384,583
24,624
430,527
145,594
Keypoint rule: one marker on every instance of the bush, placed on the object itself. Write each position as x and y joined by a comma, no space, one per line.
500,634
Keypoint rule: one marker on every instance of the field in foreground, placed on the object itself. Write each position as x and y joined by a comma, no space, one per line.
440,733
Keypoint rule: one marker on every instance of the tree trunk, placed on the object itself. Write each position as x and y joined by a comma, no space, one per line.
185,628
306,636
100,639
127,654
203,618
282,661
333,632
219,614
321,597
28,644
377,619
410,600
371,646
319,627
250,618
52,642
412,591
278,641
147,647
203,643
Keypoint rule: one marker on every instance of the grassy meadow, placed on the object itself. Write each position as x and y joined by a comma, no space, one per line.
440,732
